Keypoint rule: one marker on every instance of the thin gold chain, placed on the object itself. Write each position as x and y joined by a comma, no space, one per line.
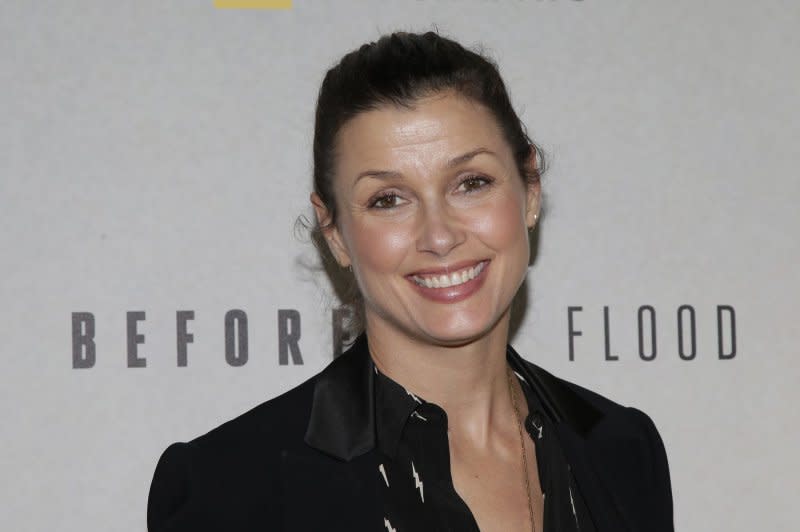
524,454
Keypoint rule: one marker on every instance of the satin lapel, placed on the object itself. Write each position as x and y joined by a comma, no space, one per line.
342,419
574,418
561,403
597,496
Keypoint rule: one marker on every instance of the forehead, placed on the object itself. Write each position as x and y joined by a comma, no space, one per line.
429,133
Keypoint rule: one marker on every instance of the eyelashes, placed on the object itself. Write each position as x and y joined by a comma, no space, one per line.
468,185
386,200
474,182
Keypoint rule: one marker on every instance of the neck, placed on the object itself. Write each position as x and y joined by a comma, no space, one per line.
470,381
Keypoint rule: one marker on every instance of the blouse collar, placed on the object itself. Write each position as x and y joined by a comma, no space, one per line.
343,420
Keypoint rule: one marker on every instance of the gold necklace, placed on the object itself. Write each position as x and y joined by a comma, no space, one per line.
522,445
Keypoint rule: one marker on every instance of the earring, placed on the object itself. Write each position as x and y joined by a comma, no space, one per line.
533,226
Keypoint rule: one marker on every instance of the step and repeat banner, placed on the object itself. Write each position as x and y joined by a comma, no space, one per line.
156,157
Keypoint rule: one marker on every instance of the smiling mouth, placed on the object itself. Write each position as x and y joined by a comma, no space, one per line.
450,279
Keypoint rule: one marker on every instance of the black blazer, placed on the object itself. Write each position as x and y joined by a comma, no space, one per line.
307,460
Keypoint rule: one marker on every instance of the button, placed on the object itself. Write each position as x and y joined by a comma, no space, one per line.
535,424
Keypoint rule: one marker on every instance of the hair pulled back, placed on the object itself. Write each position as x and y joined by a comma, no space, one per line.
397,70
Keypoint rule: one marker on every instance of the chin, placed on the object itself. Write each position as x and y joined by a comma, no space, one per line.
459,332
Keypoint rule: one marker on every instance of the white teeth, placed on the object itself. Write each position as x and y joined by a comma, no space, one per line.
454,279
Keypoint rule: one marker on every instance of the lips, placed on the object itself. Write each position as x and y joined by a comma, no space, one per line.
445,278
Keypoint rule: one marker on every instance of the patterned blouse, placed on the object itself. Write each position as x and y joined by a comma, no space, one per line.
415,466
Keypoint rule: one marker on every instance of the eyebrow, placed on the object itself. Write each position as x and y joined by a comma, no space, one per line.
452,163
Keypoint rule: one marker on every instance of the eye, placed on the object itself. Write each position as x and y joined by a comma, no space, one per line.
386,200
473,183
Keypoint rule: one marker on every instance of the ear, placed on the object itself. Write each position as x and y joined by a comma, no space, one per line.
532,204
534,194
331,233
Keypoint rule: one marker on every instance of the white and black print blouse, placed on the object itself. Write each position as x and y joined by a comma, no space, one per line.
414,468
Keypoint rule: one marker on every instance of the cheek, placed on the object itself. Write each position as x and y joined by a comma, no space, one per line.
379,246
501,224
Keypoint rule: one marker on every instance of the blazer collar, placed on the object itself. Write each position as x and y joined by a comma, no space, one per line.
559,401
342,420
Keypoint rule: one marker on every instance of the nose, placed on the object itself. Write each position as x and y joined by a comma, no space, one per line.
440,231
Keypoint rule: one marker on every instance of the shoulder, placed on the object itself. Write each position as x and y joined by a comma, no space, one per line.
274,424
593,413
229,466
618,421
257,434
613,412
625,449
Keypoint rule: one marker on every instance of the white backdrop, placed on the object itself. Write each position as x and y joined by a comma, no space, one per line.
154,157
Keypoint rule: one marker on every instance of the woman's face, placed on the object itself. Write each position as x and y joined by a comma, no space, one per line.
433,217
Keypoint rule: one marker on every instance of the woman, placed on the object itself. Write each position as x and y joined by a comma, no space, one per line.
425,186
